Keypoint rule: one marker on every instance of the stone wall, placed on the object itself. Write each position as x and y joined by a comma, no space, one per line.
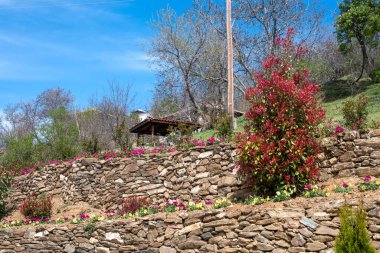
197,173
310,228
351,154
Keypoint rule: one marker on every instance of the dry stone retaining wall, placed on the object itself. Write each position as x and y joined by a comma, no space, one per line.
197,173
351,154
312,228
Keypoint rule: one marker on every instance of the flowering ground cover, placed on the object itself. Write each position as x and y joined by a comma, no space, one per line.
106,155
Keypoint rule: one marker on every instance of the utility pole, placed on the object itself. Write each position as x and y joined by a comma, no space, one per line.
230,59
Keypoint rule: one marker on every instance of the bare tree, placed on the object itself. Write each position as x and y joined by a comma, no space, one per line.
190,49
26,117
112,111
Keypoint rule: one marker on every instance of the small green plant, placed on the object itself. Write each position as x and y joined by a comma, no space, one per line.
368,184
355,112
353,236
255,200
191,206
90,227
223,202
223,126
312,191
344,188
147,211
281,195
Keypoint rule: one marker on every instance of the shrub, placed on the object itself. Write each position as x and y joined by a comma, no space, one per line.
355,112
133,204
37,207
90,144
276,150
353,236
6,180
223,126
375,75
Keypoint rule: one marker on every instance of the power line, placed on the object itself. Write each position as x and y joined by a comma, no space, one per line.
67,4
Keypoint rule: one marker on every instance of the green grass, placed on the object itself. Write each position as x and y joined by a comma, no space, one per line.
335,93
204,135
372,91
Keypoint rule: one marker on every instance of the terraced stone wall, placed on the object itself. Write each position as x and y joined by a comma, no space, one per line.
198,173
312,227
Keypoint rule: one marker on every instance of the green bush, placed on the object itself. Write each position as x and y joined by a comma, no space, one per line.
6,180
20,150
355,112
353,236
91,144
223,126
375,75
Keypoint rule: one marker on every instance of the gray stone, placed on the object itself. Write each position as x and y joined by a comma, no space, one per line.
315,246
164,249
205,154
309,223
102,250
110,236
69,248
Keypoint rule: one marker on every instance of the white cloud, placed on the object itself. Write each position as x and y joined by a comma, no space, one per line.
128,60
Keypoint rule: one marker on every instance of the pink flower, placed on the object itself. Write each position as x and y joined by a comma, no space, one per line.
367,179
345,185
308,187
339,129
187,139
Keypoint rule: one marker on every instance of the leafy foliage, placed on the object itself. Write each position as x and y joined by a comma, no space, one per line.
276,150
37,207
6,180
133,204
223,126
59,136
359,19
353,236
355,112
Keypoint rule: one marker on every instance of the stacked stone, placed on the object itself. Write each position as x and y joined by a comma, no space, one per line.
198,173
312,228
350,154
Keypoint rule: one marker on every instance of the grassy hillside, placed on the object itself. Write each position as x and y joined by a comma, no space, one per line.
334,93
333,106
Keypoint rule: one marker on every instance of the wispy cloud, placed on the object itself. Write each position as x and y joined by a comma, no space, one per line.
126,60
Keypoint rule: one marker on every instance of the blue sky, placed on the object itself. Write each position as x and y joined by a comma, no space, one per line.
80,45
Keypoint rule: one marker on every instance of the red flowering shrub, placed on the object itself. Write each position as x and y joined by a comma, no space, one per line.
133,204
276,150
37,207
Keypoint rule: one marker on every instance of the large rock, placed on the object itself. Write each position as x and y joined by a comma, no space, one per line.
323,230
368,171
315,246
114,237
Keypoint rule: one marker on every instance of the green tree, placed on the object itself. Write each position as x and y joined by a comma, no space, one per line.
353,236
359,22
59,137
19,150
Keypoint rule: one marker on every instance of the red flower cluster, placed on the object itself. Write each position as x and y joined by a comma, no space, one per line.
278,145
133,203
